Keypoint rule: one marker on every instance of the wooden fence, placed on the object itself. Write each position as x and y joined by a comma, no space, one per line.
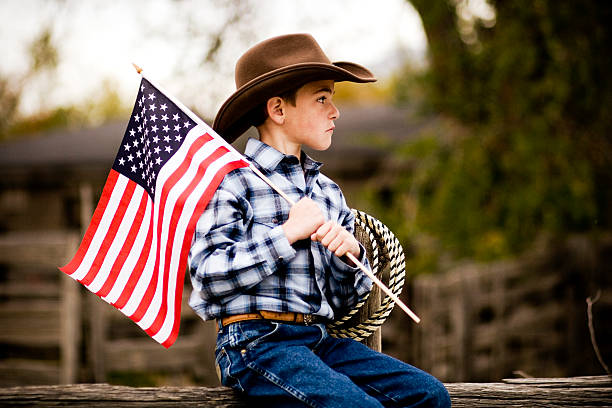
491,321
55,331
40,335
531,392
479,322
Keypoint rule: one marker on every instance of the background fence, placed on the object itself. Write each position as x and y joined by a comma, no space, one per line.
55,331
521,317
479,322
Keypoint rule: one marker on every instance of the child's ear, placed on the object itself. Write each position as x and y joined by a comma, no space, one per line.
276,109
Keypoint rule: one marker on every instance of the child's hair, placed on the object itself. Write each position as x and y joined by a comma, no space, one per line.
260,113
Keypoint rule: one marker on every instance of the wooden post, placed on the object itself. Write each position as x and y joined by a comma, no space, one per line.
97,336
375,340
70,322
97,320
465,336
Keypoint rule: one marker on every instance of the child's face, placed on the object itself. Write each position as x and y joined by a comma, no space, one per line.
311,121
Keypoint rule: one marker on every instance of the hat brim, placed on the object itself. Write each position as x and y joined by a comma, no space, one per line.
233,118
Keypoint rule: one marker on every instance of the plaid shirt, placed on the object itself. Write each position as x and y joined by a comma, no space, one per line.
241,261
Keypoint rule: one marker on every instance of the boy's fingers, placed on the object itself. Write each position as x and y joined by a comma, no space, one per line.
336,244
331,235
341,250
322,231
335,233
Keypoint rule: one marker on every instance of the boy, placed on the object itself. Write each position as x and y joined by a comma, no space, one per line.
272,275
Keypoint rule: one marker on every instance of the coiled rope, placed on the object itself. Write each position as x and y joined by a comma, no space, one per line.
383,249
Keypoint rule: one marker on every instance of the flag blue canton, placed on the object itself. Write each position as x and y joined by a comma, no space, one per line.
156,130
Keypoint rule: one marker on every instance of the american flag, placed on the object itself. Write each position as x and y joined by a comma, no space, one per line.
134,252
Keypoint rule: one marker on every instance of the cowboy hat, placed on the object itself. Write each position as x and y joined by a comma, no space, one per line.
273,67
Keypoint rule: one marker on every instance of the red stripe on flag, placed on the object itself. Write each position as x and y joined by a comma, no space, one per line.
126,248
176,214
168,185
109,186
201,206
122,207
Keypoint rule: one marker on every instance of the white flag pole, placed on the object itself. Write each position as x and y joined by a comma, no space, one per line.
353,259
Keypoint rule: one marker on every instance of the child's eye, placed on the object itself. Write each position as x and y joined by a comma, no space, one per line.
322,99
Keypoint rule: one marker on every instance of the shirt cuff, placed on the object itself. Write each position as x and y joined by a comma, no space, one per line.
281,250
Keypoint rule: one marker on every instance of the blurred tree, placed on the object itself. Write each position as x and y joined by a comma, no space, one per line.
43,58
528,90
9,101
231,23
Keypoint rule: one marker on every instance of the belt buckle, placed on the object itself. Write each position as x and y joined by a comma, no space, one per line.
308,319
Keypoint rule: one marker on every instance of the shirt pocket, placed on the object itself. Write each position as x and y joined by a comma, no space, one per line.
263,224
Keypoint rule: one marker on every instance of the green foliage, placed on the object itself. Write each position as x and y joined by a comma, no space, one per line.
9,101
56,118
43,53
529,148
103,105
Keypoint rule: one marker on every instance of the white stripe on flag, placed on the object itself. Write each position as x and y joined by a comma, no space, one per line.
147,274
102,229
132,259
118,241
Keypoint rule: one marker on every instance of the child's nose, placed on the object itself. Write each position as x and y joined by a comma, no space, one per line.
335,113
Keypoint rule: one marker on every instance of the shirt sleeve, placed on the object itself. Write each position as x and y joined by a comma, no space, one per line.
223,261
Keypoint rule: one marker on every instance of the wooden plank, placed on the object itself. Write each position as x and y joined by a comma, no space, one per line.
190,352
583,392
104,395
515,395
582,381
15,372
30,322
29,289
34,247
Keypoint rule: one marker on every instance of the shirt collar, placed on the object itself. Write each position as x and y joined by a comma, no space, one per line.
269,158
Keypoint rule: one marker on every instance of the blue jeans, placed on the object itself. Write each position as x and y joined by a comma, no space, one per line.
285,365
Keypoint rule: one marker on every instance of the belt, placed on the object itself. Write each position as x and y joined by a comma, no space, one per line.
287,317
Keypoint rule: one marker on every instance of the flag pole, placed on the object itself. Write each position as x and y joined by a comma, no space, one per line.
350,256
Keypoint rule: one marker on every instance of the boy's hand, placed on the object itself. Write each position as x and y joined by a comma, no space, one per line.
336,238
305,217
306,220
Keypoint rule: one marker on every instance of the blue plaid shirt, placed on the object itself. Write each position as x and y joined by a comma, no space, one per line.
240,259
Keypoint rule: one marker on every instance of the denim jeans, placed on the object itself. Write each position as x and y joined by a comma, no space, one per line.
284,365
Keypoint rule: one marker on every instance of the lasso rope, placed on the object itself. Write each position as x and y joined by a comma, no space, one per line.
393,253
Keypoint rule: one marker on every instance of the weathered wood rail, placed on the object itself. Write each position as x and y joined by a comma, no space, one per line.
593,391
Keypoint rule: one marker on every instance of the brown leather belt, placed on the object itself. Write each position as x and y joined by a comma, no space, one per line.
288,317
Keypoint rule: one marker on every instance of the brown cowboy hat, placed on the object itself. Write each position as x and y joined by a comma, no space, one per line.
275,66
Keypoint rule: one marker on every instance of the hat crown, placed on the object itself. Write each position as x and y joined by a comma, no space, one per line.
277,53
